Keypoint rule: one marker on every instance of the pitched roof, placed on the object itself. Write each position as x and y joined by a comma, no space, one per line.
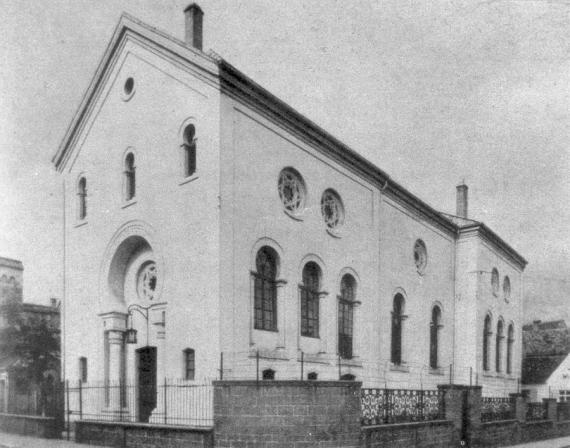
233,82
537,369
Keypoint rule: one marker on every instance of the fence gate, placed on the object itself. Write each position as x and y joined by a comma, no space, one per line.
465,412
147,382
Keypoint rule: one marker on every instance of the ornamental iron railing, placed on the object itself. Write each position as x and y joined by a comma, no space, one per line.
497,408
536,411
385,406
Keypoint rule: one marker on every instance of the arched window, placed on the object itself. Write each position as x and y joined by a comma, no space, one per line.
435,325
310,300
486,341
397,324
499,346
507,288
510,342
268,374
312,376
495,281
189,150
130,178
82,198
347,377
265,290
345,315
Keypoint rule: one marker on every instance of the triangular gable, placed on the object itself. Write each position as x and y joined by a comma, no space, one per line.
128,27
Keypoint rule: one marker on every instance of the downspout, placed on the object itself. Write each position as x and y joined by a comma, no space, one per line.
63,301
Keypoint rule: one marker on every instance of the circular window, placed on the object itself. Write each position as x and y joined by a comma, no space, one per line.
420,256
332,209
128,89
495,281
291,190
507,288
146,281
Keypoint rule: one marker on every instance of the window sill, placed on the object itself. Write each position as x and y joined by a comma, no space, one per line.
352,362
81,223
314,358
335,233
129,203
437,371
268,330
310,337
299,216
399,368
268,353
188,179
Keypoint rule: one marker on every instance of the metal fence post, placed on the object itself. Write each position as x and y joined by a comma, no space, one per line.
302,361
339,370
68,411
165,401
221,365
257,365
80,401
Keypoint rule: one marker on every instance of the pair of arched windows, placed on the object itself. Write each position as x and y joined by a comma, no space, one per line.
398,318
499,345
129,171
265,300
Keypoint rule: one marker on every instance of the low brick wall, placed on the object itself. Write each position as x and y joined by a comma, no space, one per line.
497,433
287,413
436,434
115,434
563,428
539,430
47,427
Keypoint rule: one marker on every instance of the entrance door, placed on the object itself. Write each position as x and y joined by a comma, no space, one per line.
146,357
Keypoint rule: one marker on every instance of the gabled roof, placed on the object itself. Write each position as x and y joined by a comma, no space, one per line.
537,369
236,84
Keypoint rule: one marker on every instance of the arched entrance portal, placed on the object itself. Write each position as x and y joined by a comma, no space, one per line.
133,323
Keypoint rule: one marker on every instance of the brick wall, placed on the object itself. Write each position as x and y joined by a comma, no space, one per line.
114,434
437,434
47,427
287,414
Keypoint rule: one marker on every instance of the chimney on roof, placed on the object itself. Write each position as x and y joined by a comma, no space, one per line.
194,16
462,200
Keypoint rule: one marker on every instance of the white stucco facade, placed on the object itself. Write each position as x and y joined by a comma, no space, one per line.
201,234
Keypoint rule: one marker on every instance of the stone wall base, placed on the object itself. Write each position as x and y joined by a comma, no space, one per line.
436,434
47,427
144,435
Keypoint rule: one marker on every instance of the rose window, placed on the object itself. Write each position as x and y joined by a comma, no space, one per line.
332,209
146,282
291,190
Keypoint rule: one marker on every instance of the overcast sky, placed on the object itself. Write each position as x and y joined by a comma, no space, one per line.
432,92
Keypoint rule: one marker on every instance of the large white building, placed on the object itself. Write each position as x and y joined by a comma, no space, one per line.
247,230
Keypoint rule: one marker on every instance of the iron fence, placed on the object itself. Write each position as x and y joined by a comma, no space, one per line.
384,406
497,408
171,402
563,411
536,411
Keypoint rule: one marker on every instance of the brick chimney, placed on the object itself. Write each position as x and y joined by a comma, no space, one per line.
194,16
462,201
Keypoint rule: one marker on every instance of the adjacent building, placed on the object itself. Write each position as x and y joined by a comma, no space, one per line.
546,360
212,229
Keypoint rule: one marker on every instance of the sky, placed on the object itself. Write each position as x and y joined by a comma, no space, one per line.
433,92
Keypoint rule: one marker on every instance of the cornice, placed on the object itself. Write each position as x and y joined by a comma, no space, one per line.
492,238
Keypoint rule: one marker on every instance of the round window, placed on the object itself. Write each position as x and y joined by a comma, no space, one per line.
420,256
146,281
291,190
332,209
128,89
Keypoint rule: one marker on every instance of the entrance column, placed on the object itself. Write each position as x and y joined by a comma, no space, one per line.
114,324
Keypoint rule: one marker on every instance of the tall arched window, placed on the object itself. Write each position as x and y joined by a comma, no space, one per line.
130,179
82,198
510,341
397,324
486,341
310,300
346,302
189,150
265,290
499,346
435,325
